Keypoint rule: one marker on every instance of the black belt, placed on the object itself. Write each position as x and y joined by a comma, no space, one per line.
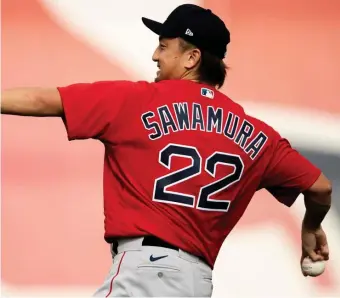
154,241
150,241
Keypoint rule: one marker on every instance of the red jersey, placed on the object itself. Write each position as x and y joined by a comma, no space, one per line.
182,160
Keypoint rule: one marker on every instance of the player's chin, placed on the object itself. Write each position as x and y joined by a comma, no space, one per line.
159,77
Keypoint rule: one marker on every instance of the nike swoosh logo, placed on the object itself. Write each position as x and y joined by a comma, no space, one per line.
153,259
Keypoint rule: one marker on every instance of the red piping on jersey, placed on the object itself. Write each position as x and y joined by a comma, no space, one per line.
113,278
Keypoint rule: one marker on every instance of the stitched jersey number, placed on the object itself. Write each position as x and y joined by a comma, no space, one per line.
204,202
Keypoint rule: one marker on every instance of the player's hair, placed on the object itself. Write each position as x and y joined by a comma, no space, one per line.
212,70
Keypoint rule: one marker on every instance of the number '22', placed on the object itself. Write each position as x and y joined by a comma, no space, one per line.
204,202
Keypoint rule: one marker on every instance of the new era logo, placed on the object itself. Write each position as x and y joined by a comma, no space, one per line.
189,32
207,93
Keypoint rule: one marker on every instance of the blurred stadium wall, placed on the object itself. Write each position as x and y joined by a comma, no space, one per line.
284,59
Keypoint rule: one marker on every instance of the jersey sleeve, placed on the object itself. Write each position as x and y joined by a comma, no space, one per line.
91,109
288,173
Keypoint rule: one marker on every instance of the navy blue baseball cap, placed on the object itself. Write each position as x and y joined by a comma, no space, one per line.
196,25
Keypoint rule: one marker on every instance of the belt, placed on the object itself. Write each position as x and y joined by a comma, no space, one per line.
151,241
154,241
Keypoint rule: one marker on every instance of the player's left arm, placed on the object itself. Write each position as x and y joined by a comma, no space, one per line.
89,110
38,102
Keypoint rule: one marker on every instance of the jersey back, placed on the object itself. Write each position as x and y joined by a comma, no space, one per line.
182,162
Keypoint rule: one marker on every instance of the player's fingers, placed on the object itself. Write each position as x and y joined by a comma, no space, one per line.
314,256
304,253
324,251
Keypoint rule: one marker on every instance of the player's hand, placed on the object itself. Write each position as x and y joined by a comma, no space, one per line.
314,244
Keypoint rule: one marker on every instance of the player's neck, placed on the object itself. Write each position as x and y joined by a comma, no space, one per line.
191,76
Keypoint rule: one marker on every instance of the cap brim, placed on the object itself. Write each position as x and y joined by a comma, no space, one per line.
154,26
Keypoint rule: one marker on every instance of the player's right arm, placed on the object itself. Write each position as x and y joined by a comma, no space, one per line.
288,175
318,199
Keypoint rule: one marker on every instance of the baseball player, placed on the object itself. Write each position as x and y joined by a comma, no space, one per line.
182,161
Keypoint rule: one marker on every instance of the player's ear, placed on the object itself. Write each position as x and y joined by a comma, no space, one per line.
193,57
